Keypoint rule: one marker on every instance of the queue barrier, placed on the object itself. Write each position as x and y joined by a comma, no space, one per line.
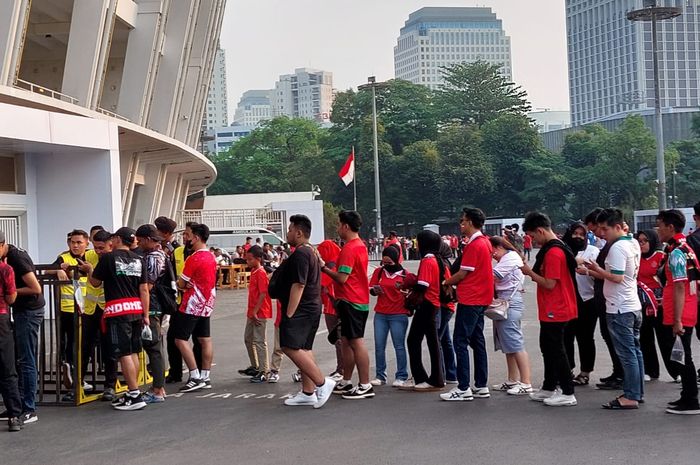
53,385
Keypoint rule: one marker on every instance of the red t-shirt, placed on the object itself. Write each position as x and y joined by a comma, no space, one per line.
648,268
676,271
429,276
353,261
393,241
200,272
7,285
527,242
258,285
477,287
391,302
559,303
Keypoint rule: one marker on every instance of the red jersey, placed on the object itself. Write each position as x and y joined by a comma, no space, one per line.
353,261
527,242
258,285
648,268
7,285
557,304
329,252
429,276
200,273
391,302
477,288
676,269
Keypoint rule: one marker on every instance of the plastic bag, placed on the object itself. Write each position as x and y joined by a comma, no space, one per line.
678,353
146,333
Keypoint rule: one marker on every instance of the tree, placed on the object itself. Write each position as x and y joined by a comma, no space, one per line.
476,93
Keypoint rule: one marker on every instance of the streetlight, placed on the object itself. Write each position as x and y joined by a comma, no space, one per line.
653,13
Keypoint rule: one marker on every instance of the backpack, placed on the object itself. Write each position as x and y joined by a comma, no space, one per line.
692,266
165,290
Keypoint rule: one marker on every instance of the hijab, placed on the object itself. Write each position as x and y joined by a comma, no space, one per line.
576,244
654,242
392,252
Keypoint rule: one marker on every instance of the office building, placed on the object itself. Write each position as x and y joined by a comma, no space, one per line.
610,59
434,37
217,100
223,138
308,93
549,120
253,108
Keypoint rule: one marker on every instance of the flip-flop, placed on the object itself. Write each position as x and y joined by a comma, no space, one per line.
616,405
581,380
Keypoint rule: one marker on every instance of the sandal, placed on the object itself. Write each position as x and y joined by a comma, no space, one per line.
616,405
581,380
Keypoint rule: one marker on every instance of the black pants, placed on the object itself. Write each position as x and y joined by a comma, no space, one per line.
154,349
650,326
175,357
92,336
424,325
8,371
67,338
557,371
582,330
617,366
689,391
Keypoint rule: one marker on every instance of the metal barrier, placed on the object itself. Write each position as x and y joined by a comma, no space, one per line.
54,386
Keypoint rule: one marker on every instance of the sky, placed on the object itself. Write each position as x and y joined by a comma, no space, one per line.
355,39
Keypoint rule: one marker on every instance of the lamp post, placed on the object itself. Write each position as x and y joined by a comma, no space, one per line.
372,84
653,13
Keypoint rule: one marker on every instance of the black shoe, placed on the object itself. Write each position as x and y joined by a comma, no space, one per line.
193,385
674,403
29,417
609,379
14,424
4,416
68,397
259,377
172,379
614,385
250,371
341,389
359,393
128,403
684,409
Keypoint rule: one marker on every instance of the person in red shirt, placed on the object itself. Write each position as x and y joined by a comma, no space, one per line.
330,251
393,239
475,290
553,273
8,373
432,271
527,246
390,316
259,310
352,304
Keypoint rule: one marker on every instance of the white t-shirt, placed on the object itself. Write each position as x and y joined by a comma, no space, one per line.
507,274
585,282
623,259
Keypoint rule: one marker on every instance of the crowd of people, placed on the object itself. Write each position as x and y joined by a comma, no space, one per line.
142,291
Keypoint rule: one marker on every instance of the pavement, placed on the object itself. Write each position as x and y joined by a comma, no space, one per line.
238,422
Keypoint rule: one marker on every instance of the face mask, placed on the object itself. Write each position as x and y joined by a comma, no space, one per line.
392,268
578,244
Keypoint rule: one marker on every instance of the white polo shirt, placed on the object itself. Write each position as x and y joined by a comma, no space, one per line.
623,259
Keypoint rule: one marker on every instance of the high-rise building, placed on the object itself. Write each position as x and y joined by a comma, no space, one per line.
217,100
439,36
610,59
253,108
101,105
308,93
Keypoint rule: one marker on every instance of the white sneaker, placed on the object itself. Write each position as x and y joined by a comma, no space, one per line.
560,400
647,378
520,389
87,387
398,383
456,394
481,392
324,392
504,386
377,382
302,399
335,376
426,387
541,395
408,385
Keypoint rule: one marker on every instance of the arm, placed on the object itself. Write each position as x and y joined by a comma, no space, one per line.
258,304
336,276
678,304
294,298
10,298
145,301
32,286
456,278
597,272
546,283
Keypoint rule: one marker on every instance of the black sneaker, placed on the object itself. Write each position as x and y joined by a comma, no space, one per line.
14,424
673,403
109,395
359,393
193,384
127,403
609,379
684,409
259,378
4,416
29,417
341,389
614,385
207,384
250,371
68,397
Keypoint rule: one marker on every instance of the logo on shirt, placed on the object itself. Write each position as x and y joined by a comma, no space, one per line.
127,267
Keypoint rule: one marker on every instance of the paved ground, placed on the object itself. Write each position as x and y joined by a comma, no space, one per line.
239,423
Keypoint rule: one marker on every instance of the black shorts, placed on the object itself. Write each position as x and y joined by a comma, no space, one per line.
352,320
299,331
183,326
124,333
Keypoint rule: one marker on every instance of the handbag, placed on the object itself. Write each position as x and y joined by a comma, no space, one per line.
498,309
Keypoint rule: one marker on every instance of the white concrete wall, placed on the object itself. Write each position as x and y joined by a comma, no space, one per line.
245,201
311,208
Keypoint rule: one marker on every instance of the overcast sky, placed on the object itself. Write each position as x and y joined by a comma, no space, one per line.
355,38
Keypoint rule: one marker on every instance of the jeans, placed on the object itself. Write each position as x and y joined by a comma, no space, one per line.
154,349
397,325
469,332
425,325
27,325
448,351
556,364
8,371
605,332
624,330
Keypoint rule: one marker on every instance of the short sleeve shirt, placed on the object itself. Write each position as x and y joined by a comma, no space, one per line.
353,261
478,286
507,274
429,276
259,283
22,264
557,304
7,285
302,267
677,271
200,273
648,268
622,260
391,301
585,282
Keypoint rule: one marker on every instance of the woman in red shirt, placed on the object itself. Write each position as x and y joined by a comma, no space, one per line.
390,316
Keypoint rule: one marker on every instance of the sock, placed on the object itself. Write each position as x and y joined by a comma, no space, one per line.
320,385
194,374
346,381
134,393
308,393
205,374
365,386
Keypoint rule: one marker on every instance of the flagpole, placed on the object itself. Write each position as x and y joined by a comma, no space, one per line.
354,179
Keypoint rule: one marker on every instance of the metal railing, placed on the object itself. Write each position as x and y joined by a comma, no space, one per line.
242,218
111,113
37,89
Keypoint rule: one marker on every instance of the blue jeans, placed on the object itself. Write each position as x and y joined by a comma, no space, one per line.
624,331
469,332
448,352
397,325
27,324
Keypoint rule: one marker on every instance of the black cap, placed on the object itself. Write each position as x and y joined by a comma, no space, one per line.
149,231
127,235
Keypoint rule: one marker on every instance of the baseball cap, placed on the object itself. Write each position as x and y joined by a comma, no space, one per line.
2,237
127,235
149,231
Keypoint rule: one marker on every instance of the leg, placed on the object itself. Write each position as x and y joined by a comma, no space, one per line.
664,334
465,321
260,344
414,343
348,358
512,365
604,331
448,352
361,356
622,332
647,342
197,351
437,377
174,356
90,336
8,373
27,326
130,370
585,336
522,361
332,322
155,358
277,354
562,367
381,331
248,341
304,360
548,347
478,345
689,393
569,337
398,326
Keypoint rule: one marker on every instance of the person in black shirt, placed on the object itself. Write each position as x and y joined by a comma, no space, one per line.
28,314
126,308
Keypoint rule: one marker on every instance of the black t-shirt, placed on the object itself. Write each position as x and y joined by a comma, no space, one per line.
121,271
21,263
302,267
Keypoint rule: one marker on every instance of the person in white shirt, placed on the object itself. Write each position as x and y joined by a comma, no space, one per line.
624,310
583,328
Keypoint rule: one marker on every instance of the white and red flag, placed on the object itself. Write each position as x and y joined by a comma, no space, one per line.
347,172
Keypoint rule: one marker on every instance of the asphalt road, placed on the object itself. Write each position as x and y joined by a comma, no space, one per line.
240,423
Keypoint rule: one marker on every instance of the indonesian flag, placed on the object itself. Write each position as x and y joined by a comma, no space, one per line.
347,172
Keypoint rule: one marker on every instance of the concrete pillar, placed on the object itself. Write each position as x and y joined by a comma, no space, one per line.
165,206
13,15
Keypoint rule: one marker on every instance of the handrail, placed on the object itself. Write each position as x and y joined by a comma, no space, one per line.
112,114
36,88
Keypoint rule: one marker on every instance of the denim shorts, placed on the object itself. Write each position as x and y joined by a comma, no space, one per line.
508,334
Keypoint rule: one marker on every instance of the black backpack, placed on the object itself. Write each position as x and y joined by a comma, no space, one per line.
165,291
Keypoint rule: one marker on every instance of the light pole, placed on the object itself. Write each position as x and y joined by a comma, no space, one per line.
652,13
372,83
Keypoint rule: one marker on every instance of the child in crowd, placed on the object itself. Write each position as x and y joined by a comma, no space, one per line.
259,310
